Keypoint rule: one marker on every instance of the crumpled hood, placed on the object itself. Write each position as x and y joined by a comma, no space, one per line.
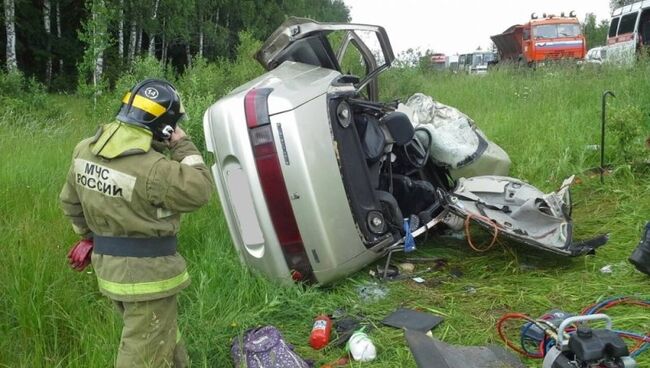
120,139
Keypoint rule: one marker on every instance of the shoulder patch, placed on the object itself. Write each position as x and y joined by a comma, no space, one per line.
104,180
193,160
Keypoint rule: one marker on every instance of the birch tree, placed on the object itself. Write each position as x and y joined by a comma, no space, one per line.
47,25
133,34
152,34
120,30
10,29
97,38
58,30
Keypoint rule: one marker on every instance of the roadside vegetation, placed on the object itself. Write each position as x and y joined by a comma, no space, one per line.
547,120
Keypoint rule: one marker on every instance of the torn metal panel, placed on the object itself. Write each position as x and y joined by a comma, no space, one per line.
521,212
433,353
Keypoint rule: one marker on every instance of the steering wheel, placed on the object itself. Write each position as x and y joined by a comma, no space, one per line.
416,152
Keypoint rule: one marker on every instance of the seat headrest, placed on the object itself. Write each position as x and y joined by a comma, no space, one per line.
399,126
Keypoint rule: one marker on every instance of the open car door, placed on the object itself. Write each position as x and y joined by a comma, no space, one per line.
362,50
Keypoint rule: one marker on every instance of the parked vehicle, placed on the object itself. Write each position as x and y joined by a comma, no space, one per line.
629,32
318,178
438,61
477,62
540,40
596,55
452,62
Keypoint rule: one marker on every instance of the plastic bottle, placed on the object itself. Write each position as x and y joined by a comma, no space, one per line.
361,347
320,333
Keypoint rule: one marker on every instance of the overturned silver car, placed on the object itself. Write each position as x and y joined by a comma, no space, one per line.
317,178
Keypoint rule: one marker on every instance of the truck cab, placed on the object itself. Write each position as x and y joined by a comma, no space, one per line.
542,39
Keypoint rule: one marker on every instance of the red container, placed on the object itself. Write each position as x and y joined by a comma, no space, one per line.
320,333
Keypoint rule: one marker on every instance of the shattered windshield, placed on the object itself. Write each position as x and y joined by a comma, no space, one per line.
557,30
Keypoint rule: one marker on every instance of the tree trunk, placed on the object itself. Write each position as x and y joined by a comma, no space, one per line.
10,27
99,49
152,46
201,43
120,32
58,31
189,55
163,52
132,40
47,24
152,36
138,46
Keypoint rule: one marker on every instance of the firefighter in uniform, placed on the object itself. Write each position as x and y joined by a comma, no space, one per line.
125,191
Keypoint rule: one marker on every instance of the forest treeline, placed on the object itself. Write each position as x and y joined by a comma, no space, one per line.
63,42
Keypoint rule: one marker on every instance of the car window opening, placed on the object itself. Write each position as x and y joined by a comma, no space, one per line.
313,50
628,22
613,27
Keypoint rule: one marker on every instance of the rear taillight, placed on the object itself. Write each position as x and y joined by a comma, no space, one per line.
273,185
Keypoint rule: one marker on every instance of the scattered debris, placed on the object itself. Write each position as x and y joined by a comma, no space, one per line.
470,290
345,327
340,362
640,258
608,270
406,267
371,292
456,272
339,313
411,319
433,353
419,280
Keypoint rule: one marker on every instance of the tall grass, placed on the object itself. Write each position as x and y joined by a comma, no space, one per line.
51,316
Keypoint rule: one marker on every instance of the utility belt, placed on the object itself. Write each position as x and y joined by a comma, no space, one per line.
135,247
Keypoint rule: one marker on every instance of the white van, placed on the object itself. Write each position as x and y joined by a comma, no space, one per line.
629,32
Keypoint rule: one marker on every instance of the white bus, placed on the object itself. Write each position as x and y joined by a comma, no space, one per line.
629,32
476,62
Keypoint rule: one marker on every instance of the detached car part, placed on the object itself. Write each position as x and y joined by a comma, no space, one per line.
433,353
640,258
522,212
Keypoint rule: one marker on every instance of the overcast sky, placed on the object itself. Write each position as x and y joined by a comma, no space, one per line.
457,26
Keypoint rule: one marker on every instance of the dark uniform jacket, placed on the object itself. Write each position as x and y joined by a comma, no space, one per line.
120,190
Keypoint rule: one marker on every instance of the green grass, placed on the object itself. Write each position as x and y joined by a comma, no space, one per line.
51,316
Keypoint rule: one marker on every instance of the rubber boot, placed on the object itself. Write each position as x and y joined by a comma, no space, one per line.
640,258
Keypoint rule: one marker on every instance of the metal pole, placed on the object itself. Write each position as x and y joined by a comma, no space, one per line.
602,135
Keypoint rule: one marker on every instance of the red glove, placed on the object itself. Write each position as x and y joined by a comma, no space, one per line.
79,254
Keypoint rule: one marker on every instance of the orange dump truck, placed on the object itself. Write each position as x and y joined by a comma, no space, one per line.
548,38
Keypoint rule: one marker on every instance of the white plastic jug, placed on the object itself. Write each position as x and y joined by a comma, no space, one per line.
361,347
